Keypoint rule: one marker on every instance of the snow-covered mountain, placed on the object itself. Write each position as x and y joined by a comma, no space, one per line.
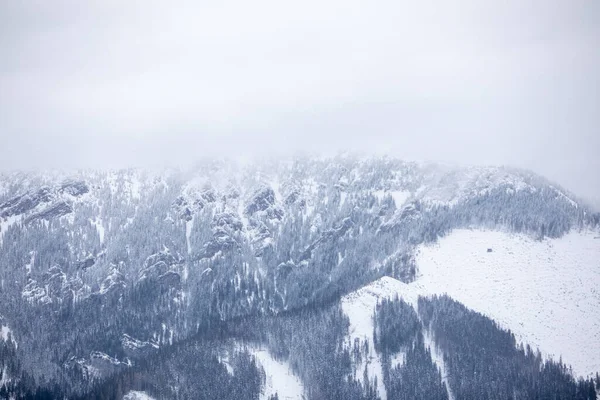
545,292
101,271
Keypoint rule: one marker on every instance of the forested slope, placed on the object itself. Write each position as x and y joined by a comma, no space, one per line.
102,270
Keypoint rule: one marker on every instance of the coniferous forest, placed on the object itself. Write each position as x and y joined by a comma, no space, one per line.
172,284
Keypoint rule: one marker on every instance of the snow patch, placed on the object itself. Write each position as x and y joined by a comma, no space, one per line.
343,196
400,197
31,262
397,359
5,378
4,332
97,222
188,233
279,376
224,359
137,395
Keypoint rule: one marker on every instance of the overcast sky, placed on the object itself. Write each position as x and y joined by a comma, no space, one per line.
119,83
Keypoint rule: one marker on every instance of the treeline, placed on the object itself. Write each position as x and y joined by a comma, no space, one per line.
396,326
484,361
312,341
418,377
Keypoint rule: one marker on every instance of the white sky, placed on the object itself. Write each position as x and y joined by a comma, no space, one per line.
120,83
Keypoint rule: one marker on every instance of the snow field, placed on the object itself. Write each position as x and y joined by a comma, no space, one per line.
546,292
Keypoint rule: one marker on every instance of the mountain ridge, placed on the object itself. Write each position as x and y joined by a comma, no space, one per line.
156,257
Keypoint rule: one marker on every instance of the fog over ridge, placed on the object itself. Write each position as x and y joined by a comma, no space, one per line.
110,85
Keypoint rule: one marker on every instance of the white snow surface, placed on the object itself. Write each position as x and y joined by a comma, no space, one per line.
137,395
97,222
546,292
279,376
4,331
188,234
5,378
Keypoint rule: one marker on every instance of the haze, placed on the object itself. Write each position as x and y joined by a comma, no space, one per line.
114,84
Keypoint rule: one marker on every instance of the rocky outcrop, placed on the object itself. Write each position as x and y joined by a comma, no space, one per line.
33,204
25,203
227,221
186,205
159,264
135,348
74,188
163,268
263,202
85,263
114,285
52,287
221,242
329,235
169,279
54,211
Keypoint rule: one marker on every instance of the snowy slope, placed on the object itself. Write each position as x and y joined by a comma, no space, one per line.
207,212
360,305
279,376
547,292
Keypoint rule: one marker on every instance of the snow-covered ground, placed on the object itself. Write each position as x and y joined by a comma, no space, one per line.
280,378
6,334
4,331
136,395
547,292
